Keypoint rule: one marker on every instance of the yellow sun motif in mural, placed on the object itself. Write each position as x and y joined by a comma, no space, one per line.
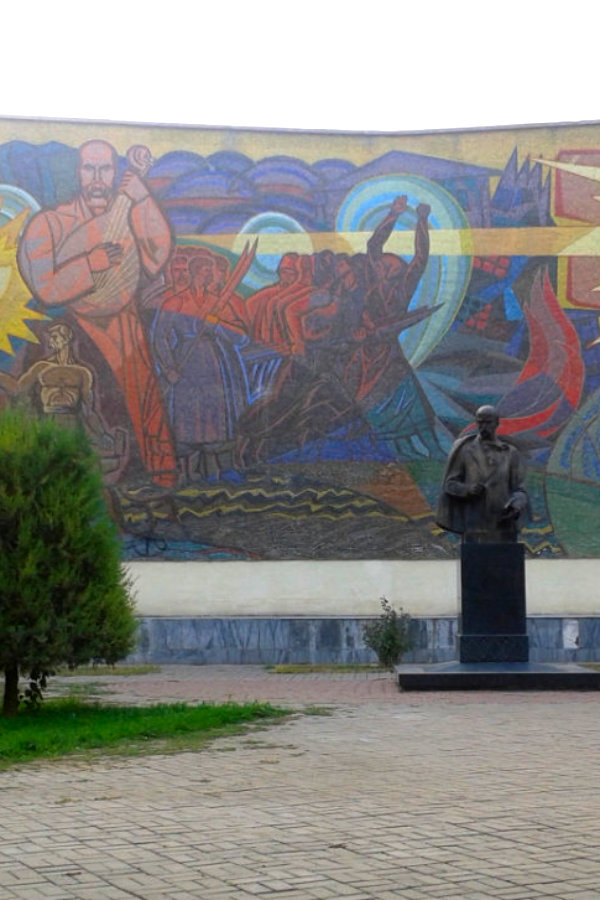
14,295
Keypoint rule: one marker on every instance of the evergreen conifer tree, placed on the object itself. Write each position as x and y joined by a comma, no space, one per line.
64,596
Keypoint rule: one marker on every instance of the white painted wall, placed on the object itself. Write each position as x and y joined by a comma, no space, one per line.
554,587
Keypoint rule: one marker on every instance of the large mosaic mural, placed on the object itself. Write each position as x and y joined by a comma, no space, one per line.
272,339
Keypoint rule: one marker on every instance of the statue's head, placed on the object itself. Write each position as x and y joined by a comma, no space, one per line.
487,420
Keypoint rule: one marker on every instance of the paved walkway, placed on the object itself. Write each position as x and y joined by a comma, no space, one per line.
417,796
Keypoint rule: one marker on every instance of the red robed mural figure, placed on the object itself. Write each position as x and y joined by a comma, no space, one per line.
89,256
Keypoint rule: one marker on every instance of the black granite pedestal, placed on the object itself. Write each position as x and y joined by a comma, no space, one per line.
528,676
492,643
492,625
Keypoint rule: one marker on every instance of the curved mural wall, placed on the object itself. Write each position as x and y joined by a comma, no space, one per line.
273,338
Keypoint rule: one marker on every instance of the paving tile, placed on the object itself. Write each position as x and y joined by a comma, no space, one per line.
420,797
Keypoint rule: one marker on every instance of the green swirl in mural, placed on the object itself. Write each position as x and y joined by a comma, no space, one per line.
573,481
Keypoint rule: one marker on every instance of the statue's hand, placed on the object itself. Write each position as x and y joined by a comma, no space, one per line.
516,505
510,512
423,210
476,490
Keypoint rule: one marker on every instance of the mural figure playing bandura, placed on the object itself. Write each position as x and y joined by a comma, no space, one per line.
90,255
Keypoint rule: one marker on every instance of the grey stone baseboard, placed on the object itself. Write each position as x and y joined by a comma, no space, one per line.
256,640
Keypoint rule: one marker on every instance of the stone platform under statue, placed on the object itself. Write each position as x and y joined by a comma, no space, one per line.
492,643
524,676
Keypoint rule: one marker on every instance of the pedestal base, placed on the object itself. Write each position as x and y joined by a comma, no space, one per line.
492,625
484,648
455,676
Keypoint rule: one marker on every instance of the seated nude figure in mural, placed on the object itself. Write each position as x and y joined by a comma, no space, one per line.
62,387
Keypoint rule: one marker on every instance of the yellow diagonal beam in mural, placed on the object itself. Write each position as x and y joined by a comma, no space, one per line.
578,240
586,245
589,243
591,172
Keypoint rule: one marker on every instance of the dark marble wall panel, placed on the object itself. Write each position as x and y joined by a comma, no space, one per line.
257,641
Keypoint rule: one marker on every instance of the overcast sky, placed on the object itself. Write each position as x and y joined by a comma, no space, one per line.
311,64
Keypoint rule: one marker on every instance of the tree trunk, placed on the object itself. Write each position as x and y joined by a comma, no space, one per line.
10,705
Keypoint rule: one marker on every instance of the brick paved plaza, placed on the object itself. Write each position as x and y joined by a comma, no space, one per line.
455,796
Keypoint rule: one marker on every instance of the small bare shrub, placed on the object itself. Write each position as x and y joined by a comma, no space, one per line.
389,635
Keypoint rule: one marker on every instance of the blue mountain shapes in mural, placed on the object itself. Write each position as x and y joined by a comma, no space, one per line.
522,197
175,164
230,161
226,189
222,191
469,184
208,185
433,167
332,170
283,172
47,172
278,177
175,172
310,193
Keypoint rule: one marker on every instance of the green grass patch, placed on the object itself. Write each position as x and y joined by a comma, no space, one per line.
61,727
87,690
102,669
307,668
317,711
